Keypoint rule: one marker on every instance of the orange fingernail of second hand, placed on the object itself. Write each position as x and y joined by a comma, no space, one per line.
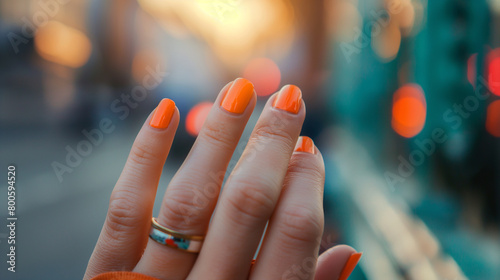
238,96
163,114
350,265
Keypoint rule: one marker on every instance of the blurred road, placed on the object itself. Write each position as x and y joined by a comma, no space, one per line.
59,222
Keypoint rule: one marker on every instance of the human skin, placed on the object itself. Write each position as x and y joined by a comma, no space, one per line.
278,181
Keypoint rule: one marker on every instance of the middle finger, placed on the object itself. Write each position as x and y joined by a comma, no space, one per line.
192,193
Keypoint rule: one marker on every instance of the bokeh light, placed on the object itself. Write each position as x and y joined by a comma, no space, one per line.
409,110
472,69
143,63
406,18
344,20
234,29
264,74
495,5
493,118
196,117
494,75
62,44
386,42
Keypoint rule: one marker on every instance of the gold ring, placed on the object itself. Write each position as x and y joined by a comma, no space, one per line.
174,239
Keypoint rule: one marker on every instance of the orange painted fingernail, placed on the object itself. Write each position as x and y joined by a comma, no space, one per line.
350,265
305,144
238,96
288,99
163,114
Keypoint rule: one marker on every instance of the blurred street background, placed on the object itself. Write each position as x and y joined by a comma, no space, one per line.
403,100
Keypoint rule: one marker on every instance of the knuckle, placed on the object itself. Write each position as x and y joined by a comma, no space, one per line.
181,212
144,154
121,219
308,169
301,225
216,134
268,132
250,203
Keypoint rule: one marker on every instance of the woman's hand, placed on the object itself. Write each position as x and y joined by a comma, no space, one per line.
278,179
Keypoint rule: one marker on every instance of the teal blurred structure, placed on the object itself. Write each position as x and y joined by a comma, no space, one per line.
438,198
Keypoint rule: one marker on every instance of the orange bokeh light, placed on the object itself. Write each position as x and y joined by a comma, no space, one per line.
264,74
196,117
493,118
491,55
62,44
409,110
494,75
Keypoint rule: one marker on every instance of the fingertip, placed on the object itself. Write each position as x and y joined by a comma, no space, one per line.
305,144
292,105
339,250
350,265
337,262
237,98
289,99
163,114
174,122
307,157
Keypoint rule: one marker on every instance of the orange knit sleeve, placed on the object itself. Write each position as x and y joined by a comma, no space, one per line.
122,275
